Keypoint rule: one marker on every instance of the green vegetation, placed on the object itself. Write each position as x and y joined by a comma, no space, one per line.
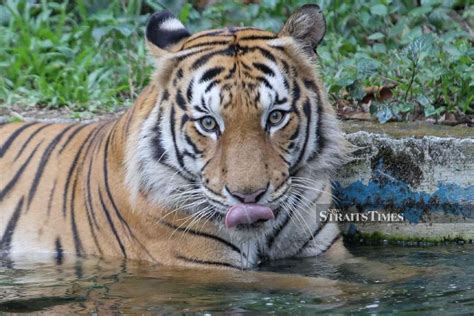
90,56
378,238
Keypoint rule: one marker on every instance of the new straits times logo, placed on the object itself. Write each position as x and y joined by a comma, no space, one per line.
336,215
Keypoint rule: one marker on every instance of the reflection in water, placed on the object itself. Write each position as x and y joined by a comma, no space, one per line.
443,280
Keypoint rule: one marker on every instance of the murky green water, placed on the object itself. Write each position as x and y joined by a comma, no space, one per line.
432,279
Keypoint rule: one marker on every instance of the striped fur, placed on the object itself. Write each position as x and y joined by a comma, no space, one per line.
155,185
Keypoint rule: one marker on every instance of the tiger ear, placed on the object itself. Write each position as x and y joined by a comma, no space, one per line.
307,26
165,33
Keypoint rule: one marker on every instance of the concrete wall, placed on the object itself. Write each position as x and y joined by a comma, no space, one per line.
429,179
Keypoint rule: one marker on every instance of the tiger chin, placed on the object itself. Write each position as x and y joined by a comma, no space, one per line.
224,160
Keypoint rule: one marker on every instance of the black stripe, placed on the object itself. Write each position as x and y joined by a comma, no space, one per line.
180,58
71,137
59,251
231,71
50,199
165,96
111,224
202,234
271,239
128,120
180,101
211,85
30,138
5,243
216,33
189,91
296,93
307,112
75,233
332,242
159,152
77,240
72,168
89,204
44,161
284,160
179,155
264,52
205,262
265,69
210,43
295,134
320,138
184,119
257,37
279,101
229,51
283,182
112,201
90,212
179,172
265,82
107,187
313,235
190,142
211,74
11,184
205,165
12,138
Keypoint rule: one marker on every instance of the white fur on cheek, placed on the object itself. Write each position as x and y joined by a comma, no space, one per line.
143,171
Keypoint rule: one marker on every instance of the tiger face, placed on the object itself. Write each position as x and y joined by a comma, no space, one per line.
240,117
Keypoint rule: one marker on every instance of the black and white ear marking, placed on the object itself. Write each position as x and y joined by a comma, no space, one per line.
164,30
307,26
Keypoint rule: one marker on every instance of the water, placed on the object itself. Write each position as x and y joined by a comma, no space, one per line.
389,279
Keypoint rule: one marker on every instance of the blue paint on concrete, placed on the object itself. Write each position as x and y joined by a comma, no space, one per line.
395,194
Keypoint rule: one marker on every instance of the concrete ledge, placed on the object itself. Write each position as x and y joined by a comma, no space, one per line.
428,179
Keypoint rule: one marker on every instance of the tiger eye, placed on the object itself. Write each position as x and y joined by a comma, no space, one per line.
275,117
208,123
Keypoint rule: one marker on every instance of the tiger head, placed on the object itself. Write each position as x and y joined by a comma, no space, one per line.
240,124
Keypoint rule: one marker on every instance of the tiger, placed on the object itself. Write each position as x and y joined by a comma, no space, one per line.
225,159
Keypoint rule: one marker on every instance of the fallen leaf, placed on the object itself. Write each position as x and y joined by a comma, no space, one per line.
377,93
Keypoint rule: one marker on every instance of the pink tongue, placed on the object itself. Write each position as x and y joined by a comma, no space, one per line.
247,214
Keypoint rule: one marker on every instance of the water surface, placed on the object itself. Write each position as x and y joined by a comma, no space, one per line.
431,279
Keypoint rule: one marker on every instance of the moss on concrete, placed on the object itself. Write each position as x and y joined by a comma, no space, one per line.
379,238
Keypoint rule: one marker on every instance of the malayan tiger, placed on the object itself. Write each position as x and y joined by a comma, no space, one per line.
224,160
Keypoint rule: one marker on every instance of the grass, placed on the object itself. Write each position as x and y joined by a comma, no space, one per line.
89,56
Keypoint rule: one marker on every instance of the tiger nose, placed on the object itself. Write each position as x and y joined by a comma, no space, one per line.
253,197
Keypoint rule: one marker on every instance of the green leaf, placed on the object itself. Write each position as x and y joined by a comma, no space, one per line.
356,90
405,107
376,36
423,100
429,111
184,13
379,9
100,32
269,4
124,29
